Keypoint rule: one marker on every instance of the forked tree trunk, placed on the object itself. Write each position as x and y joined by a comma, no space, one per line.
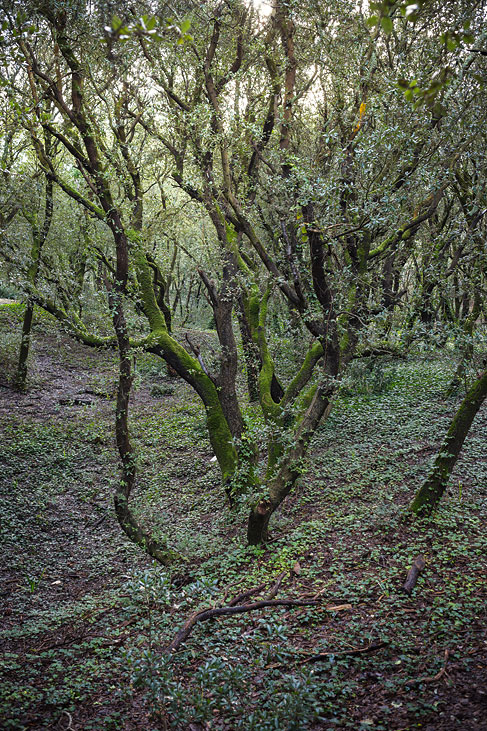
430,493
289,471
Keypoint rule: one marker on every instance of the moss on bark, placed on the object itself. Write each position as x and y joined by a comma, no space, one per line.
188,368
431,491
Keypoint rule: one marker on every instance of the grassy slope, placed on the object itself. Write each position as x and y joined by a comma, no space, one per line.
86,616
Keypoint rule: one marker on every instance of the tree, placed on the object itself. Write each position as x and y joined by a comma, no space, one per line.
432,489
317,180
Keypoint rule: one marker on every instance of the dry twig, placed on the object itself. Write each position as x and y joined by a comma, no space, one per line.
326,655
438,676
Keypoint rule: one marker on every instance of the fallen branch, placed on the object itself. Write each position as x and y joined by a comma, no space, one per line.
230,609
273,592
343,653
245,595
97,523
438,676
418,565
326,655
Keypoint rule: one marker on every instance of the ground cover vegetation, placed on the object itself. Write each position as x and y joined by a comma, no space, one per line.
247,249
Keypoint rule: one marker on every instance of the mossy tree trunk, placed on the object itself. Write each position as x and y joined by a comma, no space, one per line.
222,301
467,349
88,152
289,467
431,491
21,374
39,236
191,370
250,353
293,419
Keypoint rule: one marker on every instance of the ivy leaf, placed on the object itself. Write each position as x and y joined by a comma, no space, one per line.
386,23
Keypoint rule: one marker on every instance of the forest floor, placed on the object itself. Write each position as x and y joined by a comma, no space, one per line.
86,616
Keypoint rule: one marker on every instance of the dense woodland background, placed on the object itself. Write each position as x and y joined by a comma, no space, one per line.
242,329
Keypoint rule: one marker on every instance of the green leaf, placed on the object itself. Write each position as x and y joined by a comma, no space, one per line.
386,24
372,21
116,23
185,25
231,233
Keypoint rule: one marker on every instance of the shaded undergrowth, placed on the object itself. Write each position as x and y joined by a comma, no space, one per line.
87,617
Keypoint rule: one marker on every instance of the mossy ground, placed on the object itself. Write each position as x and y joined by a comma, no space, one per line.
86,615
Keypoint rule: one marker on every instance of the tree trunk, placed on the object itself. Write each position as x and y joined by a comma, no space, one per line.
250,353
290,469
125,517
468,348
21,375
39,237
430,493
258,524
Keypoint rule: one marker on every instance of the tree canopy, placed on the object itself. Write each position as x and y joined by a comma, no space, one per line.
318,170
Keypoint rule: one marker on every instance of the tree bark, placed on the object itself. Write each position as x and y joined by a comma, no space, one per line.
39,237
250,353
21,375
413,574
430,493
290,469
